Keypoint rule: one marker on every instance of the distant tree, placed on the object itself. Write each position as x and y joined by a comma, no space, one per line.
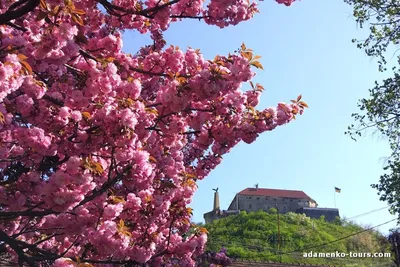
394,239
338,221
272,211
381,111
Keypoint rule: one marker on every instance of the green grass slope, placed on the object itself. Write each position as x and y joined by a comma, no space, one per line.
255,236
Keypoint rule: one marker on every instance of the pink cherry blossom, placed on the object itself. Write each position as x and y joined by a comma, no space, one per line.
285,2
101,150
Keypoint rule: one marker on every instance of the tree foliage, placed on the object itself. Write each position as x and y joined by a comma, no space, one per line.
100,150
394,239
381,111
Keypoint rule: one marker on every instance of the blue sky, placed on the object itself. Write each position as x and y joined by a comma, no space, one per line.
306,49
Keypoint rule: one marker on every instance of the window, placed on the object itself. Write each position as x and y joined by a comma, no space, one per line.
258,198
250,206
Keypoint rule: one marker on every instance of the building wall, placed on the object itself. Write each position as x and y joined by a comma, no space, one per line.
329,214
211,216
255,203
218,214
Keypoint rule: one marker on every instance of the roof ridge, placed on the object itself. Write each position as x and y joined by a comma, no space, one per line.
288,193
272,189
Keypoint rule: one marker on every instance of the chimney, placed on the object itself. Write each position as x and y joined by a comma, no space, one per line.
216,200
256,186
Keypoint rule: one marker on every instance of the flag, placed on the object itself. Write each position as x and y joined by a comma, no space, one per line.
337,190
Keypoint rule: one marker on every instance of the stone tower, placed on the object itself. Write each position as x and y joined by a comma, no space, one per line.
216,200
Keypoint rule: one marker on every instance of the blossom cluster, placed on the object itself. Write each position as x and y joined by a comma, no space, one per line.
213,259
100,150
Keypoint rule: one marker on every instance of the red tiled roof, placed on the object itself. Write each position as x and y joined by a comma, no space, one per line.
266,192
248,263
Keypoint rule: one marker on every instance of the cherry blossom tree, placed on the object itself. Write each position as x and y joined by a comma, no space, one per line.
100,150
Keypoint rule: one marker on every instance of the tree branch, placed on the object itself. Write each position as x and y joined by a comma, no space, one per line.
146,13
7,215
19,246
107,185
54,100
15,26
12,14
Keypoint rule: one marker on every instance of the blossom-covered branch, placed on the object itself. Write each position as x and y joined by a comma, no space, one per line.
100,150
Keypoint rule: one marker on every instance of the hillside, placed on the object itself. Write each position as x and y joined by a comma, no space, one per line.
254,236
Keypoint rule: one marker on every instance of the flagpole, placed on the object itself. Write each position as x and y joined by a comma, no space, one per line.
334,198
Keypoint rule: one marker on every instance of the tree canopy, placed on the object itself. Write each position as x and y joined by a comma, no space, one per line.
100,150
381,111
